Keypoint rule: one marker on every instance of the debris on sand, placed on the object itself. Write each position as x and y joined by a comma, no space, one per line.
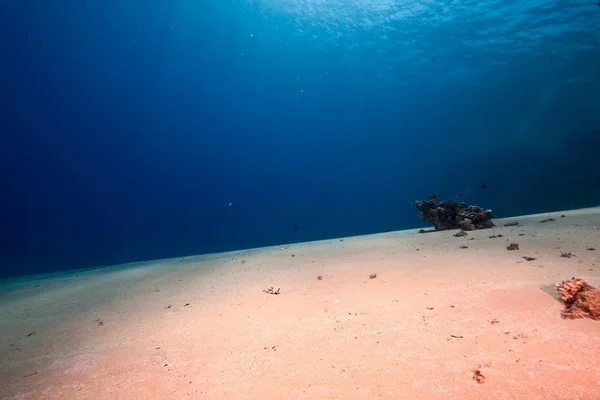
478,376
513,246
449,214
581,299
271,290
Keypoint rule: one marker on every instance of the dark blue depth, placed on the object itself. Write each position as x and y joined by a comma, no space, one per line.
134,130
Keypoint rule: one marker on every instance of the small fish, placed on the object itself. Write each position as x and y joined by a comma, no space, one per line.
482,186
295,228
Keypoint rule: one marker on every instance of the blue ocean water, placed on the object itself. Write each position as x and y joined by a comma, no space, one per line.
141,129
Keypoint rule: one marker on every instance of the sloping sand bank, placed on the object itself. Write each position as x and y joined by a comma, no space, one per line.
436,319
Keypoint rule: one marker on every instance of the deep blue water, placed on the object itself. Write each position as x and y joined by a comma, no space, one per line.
140,129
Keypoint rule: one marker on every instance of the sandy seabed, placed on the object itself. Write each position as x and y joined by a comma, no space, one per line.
445,317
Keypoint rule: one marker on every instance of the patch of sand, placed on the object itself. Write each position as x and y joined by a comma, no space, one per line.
201,327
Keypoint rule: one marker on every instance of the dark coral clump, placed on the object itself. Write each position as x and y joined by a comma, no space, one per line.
449,214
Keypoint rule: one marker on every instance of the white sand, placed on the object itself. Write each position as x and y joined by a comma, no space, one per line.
343,337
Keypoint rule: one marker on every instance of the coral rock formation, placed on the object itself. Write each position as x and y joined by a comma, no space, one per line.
449,214
581,299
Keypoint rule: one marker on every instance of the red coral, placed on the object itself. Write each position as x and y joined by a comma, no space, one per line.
581,299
